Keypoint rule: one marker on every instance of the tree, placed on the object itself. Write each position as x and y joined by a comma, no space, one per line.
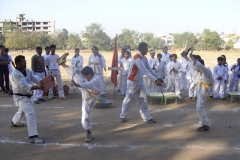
128,39
184,40
73,41
2,39
61,38
42,39
209,40
153,42
95,36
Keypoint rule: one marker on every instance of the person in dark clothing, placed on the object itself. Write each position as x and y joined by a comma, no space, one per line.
4,72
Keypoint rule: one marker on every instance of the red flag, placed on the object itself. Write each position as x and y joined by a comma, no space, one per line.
114,73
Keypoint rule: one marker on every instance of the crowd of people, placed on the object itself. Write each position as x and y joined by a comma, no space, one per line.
165,74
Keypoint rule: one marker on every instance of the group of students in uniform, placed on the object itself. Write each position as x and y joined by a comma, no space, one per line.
178,74
90,82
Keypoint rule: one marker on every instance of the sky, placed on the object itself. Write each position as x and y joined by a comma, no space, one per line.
156,16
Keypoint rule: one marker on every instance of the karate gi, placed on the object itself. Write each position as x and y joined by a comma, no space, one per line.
91,92
151,85
136,88
124,74
234,79
161,70
202,79
174,78
185,69
219,85
77,66
22,85
53,69
97,64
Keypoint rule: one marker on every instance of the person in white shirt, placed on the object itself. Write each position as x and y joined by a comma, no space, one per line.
119,71
126,62
77,61
169,87
202,78
175,69
185,69
161,69
152,63
234,79
91,88
220,81
21,78
10,69
226,70
135,86
53,69
192,90
165,55
97,62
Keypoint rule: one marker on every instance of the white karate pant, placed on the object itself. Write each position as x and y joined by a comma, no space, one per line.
218,88
192,90
176,84
56,73
25,107
119,80
233,85
201,99
124,84
86,112
151,86
37,94
141,102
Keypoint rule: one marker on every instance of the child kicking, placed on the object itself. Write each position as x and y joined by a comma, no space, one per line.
91,87
202,79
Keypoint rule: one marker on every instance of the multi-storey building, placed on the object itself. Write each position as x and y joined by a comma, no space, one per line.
30,25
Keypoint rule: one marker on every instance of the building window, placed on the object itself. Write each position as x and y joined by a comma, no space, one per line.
45,27
45,23
24,23
38,28
29,28
29,23
38,23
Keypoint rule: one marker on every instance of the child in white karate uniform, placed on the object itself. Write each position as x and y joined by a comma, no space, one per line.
220,76
202,79
175,69
234,79
126,62
152,63
161,71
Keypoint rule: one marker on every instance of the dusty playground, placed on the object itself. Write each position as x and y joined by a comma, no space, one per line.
172,137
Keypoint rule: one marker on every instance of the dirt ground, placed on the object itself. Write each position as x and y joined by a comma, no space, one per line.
172,137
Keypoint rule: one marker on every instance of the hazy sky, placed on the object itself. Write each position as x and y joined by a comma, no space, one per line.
157,16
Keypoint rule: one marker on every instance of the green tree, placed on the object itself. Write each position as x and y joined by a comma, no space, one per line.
61,38
209,40
152,41
128,39
94,35
184,40
73,41
2,39
42,39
